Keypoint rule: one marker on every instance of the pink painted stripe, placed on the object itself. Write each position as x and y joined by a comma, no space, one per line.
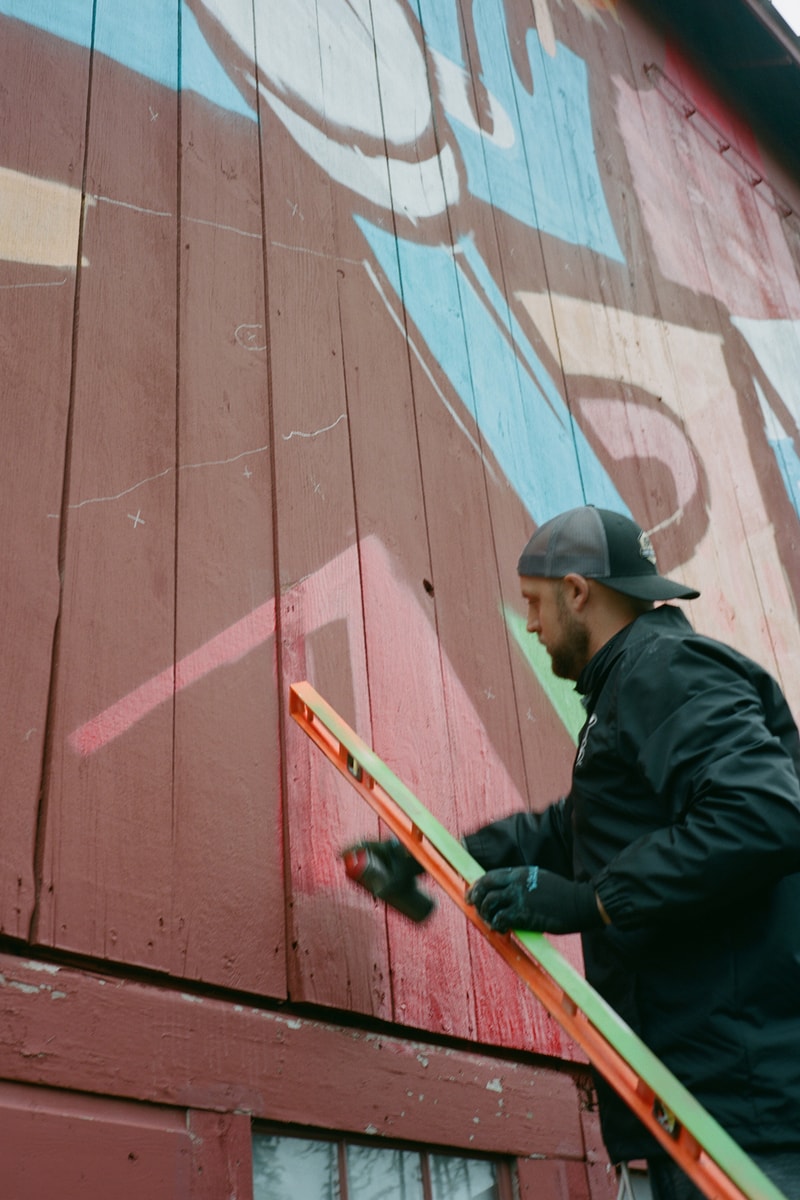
227,647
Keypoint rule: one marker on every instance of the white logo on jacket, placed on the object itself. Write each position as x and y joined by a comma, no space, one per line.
582,748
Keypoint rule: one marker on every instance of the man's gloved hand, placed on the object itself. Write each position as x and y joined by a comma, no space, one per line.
387,870
532,898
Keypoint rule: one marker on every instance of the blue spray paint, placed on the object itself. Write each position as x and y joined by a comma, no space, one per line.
141,35
452,298
548,178
776,345
465,321
782,447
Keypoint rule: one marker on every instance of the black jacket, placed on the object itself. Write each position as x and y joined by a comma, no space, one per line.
685,813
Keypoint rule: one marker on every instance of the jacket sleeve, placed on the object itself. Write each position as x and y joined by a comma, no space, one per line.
526,838
714,745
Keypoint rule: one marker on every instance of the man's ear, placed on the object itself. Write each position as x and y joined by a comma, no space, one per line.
576,591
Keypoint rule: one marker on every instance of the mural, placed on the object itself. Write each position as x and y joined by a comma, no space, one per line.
313,312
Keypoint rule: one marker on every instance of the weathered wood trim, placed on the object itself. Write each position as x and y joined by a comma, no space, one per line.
61,1027
222,1158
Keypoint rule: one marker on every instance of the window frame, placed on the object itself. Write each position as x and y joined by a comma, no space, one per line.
505,1164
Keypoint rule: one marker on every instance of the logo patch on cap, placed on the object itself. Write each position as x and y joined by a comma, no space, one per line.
646,548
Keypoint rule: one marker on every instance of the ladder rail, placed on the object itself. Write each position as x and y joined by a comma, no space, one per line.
708,1155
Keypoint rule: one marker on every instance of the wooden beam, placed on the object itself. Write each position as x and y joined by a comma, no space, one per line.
66,1028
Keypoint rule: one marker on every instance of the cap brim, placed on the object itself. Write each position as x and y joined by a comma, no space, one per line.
651,587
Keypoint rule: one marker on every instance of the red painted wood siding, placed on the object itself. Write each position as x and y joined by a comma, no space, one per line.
53,1143
36,388
279,408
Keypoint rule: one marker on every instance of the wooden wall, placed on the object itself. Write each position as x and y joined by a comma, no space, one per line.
310,313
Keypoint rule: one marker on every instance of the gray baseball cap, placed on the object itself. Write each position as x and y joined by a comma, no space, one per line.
602,545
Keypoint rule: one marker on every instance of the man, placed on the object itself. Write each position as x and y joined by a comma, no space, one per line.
676,853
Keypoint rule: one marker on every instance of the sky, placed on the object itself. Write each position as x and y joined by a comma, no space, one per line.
790,11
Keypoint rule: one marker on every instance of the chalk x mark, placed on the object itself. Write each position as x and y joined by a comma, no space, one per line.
138,519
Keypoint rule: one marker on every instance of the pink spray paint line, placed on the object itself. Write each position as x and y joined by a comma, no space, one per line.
226,647
323,599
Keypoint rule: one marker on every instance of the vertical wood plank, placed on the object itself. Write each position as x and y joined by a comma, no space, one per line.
334,957
430,970
40,180
476,529
601,1174
222,1155
228,916
73,1146
108,842
549,1179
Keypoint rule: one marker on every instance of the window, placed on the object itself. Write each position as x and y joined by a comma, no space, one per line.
301,1168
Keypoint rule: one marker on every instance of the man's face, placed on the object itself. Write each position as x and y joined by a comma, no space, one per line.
560,630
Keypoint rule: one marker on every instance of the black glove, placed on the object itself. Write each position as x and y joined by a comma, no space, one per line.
532,898
387,870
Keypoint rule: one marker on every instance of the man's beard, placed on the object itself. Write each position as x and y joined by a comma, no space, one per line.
571,654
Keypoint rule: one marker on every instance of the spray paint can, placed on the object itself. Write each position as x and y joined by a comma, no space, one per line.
388,871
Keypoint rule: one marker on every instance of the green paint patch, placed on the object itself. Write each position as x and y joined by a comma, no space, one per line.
560,692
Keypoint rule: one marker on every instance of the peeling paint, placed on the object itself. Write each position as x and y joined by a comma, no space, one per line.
494,1085
32,989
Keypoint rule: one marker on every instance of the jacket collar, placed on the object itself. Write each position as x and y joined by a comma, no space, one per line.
596,671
